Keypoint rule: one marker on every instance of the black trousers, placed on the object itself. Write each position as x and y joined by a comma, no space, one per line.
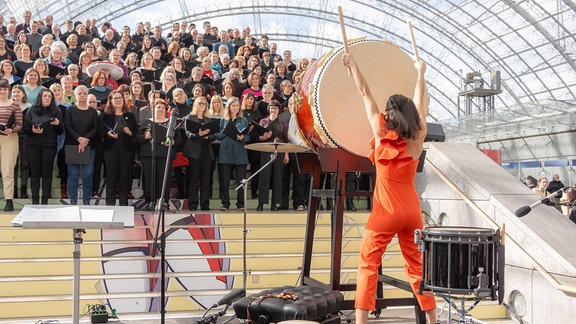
98,162
225,175
41,159
199,171
62,167
213,165
270,174
291,172
157,174
118,174
254,159
22,166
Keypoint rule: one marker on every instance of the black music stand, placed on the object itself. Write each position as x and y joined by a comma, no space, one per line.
79,219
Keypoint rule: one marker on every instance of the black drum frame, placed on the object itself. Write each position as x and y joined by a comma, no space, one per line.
462,263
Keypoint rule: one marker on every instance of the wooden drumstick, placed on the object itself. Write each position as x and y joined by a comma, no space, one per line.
414,48
344,39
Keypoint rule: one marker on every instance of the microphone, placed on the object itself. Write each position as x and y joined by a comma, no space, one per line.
174,113
231,297
524,210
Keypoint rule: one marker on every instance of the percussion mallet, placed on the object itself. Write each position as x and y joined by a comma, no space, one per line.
344,39
413,40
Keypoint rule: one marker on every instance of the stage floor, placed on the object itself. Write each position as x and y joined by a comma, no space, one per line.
396,315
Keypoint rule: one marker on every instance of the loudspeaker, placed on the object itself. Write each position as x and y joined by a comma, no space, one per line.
435,133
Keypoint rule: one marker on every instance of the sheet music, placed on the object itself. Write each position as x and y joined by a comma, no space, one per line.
96,215
62,214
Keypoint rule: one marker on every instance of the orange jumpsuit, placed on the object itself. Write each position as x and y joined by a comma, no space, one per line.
396,210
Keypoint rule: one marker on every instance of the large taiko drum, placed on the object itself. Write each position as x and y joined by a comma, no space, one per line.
332,112
463,261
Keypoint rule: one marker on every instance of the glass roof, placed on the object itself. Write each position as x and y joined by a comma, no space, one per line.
532,43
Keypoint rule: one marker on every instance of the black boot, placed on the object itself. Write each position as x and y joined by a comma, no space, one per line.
9,205
15,191
23,192
44,201
35,200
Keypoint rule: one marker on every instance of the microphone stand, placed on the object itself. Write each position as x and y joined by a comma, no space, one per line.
162,223
524,210
244,186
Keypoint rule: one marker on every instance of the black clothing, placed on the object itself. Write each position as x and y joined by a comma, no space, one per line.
80,123
554,186
146,156
36,115
118,155
22,67
41,149
9,55
279,131
225,176
117,123
200,155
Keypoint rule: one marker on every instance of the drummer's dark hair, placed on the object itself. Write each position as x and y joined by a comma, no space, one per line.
403,116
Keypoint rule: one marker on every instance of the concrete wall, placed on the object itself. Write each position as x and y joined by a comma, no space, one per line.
545,234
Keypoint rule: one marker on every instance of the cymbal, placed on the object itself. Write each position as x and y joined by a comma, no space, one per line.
276,147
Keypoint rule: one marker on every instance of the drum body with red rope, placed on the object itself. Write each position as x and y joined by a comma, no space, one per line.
332,112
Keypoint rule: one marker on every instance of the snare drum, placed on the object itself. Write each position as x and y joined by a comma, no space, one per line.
461,261
332,112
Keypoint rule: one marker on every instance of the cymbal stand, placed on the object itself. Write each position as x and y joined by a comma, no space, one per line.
244,185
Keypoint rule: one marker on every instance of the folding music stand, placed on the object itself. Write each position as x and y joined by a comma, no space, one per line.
77,218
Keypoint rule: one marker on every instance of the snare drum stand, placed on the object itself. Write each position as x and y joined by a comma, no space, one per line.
464,313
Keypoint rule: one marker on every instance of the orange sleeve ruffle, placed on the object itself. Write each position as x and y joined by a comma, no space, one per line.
391,147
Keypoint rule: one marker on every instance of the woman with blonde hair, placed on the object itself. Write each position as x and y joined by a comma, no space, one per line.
42,67
541,186
200,156
232,155
216,109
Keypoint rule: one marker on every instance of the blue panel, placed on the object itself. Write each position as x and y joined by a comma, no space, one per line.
530,164
511,165
556,163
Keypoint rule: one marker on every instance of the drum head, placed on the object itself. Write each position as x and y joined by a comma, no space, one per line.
340,110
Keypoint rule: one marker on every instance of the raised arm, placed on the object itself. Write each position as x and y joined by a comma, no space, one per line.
370,104
419,93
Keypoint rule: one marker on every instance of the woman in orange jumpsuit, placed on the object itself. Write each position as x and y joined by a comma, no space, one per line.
399,134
